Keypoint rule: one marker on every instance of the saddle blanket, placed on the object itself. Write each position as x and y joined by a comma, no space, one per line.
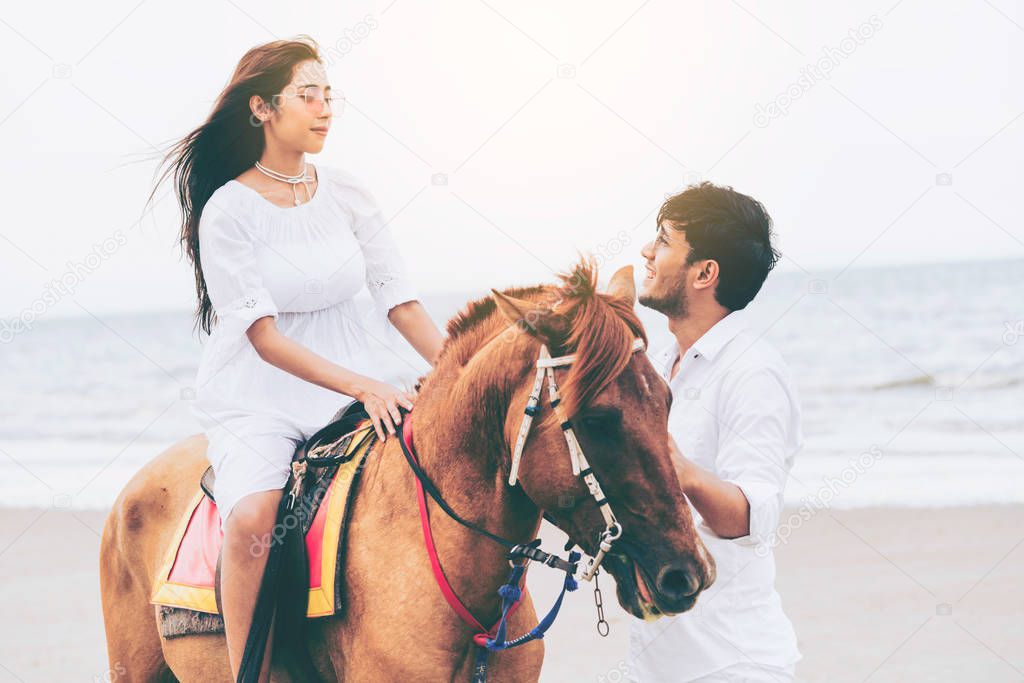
186,579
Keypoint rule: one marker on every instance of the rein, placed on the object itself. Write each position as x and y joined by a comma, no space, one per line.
494,638
423,483
486,639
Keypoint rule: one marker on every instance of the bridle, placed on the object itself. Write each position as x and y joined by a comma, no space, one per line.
580,467
495,638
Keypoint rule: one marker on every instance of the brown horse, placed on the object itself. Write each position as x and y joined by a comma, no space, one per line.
396,625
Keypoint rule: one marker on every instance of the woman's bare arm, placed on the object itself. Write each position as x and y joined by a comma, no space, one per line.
411,319
380,399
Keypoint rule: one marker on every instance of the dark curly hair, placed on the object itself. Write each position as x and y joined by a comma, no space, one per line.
730,228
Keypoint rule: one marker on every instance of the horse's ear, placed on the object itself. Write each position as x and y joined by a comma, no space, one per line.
532,317
622,286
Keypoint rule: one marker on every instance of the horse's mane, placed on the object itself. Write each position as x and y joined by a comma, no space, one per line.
479,311
599,328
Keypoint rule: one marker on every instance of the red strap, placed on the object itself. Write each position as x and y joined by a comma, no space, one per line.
435,563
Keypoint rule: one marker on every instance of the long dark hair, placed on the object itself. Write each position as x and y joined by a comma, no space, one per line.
227,143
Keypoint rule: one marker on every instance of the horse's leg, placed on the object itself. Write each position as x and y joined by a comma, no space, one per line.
133,639
135,540
202,657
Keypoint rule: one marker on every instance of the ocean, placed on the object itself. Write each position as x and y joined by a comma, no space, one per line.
911,381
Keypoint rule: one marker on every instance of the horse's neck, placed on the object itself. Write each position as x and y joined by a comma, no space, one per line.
461,460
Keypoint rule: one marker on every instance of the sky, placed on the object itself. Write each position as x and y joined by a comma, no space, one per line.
501,138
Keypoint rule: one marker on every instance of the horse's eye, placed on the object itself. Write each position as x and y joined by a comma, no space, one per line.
604,421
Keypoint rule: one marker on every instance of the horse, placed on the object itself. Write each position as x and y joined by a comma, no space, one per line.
396,625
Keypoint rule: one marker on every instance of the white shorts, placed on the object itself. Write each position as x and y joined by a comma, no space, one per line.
250,454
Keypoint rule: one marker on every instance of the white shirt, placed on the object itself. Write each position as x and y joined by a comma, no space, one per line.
735,412
303,265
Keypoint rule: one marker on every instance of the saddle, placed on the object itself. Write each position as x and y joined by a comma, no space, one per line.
344,422
186,590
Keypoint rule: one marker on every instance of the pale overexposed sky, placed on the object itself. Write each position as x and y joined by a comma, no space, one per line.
504,136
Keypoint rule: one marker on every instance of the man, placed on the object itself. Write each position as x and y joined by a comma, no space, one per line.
734,430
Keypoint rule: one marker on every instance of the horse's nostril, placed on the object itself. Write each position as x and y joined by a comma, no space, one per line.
678,581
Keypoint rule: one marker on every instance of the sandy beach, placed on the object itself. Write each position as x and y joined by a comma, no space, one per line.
877,594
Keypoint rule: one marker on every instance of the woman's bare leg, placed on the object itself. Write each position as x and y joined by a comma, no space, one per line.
248,532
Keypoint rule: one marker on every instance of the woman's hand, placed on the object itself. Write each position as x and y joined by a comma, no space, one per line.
381,401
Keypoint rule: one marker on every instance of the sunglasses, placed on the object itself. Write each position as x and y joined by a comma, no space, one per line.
315,97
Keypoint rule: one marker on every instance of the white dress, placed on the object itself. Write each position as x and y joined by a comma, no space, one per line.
303,265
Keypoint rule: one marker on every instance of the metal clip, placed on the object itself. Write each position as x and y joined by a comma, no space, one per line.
612,533
298,474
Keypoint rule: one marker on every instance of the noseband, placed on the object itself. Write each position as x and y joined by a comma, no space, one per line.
580,467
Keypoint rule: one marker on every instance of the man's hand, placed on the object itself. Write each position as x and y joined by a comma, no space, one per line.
722,504
685,470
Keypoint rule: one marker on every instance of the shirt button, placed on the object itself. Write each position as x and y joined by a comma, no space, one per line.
250,302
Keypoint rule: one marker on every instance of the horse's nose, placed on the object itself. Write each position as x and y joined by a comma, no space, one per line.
680,581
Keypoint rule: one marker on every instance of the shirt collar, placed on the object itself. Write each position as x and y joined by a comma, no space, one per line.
720,334
709,344
665,357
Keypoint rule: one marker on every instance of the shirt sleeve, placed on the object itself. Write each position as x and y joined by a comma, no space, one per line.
759,434
387,278
227,257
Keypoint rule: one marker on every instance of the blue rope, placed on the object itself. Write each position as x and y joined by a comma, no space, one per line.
480,666
510,593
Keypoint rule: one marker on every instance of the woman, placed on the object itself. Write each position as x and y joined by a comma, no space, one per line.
280,248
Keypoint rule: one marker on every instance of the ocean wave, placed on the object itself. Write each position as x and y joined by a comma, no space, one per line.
914,381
